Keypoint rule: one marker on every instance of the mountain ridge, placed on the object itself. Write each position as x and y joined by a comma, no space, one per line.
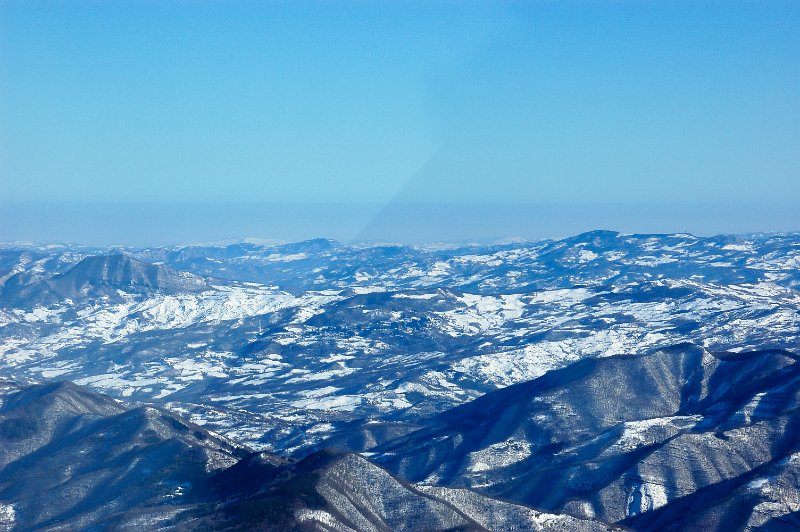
124,467
97,276
584,439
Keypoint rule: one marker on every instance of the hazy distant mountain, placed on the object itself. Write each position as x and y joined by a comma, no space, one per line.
124,272
100,276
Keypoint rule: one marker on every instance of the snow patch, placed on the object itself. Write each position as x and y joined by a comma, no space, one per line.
498,455
646,497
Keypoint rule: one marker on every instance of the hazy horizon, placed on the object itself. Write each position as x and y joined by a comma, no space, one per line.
172,223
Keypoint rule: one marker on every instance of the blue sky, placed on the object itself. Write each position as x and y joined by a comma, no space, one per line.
361,108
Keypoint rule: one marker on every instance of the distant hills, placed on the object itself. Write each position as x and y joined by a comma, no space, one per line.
98,276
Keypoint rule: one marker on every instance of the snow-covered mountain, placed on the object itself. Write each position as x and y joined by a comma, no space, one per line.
289,348
284,345
96,277
678,438
72,459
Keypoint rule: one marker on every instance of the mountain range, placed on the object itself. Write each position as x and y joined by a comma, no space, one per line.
641,381
74,459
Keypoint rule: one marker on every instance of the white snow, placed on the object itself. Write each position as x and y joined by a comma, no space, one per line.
498,455
481,314
414,296
646,497
645,432
345,403
8,516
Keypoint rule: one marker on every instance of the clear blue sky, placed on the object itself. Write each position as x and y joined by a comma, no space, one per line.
380,104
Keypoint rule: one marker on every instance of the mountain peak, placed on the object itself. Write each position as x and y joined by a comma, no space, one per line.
121,271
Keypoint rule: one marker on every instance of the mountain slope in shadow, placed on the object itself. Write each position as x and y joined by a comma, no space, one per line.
646,441
74,459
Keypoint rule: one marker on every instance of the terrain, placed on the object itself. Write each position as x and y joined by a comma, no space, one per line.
644,380
75,459
679,438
